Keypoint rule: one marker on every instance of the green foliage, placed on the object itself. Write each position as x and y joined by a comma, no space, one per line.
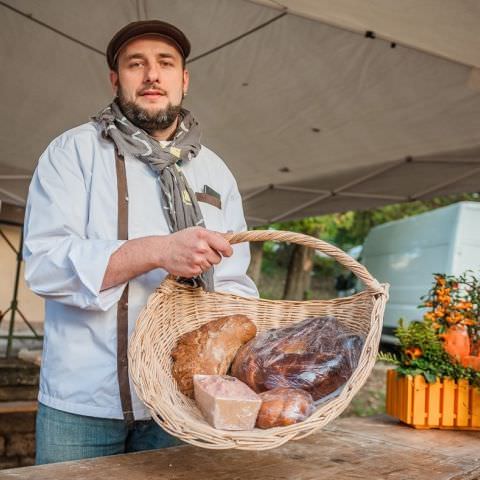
344,230
326,267
348,229
364,221
422,353
372,402
275,256
388,357
325,227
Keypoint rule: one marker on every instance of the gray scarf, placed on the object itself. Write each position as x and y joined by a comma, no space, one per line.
178,199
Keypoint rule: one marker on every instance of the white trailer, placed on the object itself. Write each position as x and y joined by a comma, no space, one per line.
406,253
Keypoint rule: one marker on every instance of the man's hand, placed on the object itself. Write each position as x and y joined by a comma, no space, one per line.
186,253
192,251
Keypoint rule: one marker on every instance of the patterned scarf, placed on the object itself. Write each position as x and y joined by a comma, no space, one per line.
178,199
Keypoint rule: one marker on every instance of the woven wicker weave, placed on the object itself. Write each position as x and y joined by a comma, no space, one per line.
174,309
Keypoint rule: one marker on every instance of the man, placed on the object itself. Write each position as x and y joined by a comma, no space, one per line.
113,206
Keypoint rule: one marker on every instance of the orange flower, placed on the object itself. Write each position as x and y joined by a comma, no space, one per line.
464,305
429,316
443,291
413,352
454,318
445,300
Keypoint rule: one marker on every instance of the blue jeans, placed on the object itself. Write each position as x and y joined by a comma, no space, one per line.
62,436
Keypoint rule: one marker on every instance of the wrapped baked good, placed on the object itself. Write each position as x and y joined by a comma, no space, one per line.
317,355
210,349
284,406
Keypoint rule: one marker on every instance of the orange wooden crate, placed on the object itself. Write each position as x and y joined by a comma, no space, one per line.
445,404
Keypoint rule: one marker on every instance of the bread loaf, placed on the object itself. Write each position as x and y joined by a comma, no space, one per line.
210,349
284,406
317,355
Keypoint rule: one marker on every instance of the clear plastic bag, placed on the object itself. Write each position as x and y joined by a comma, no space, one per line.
317,355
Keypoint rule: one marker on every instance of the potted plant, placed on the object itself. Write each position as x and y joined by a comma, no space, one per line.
437,377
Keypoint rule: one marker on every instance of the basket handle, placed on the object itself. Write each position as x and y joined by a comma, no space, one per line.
336,253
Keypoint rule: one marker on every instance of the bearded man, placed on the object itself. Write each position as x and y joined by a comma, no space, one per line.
114,205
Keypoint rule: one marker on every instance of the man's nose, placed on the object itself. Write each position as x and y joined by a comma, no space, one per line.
152,74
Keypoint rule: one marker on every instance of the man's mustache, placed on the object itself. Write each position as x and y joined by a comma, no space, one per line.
150,88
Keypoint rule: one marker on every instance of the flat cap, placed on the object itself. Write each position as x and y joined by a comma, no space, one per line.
142,28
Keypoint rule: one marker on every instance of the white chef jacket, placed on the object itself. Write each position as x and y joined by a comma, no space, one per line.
70,233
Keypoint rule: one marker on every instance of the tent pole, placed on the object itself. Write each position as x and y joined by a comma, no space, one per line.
13,309
14,304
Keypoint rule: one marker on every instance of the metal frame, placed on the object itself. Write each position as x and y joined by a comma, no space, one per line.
13,308
342,191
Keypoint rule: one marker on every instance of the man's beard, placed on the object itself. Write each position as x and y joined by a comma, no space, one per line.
148,121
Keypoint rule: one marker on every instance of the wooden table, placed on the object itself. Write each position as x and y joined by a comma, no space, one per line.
349,448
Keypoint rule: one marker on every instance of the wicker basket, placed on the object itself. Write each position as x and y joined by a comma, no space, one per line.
174,309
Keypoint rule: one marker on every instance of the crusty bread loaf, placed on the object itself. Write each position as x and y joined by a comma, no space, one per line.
210,349
284,406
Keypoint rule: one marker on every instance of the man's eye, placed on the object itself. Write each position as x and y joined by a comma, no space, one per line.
166,64
136,65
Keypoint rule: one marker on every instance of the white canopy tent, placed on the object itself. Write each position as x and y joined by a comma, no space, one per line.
316,105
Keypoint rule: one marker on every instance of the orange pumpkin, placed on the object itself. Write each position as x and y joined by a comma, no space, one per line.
471,361
457,342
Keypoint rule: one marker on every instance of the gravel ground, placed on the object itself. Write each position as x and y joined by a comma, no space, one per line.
370,400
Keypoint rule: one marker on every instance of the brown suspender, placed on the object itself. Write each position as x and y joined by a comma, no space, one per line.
122,308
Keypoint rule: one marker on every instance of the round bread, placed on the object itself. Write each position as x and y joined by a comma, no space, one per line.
210,349
284,406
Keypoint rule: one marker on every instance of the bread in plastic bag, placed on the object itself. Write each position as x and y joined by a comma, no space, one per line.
317,355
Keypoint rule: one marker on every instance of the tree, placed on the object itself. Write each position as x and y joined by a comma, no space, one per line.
299,273
354,231
256,257
297,284
346,230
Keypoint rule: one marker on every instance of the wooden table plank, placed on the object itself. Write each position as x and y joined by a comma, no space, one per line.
350,448
19,406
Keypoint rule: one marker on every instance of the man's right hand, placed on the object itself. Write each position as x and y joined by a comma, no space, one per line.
192,251
186,253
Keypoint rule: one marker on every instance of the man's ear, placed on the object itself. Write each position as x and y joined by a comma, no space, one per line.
186,81
114,81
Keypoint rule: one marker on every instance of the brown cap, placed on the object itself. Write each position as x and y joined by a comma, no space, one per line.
143,28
